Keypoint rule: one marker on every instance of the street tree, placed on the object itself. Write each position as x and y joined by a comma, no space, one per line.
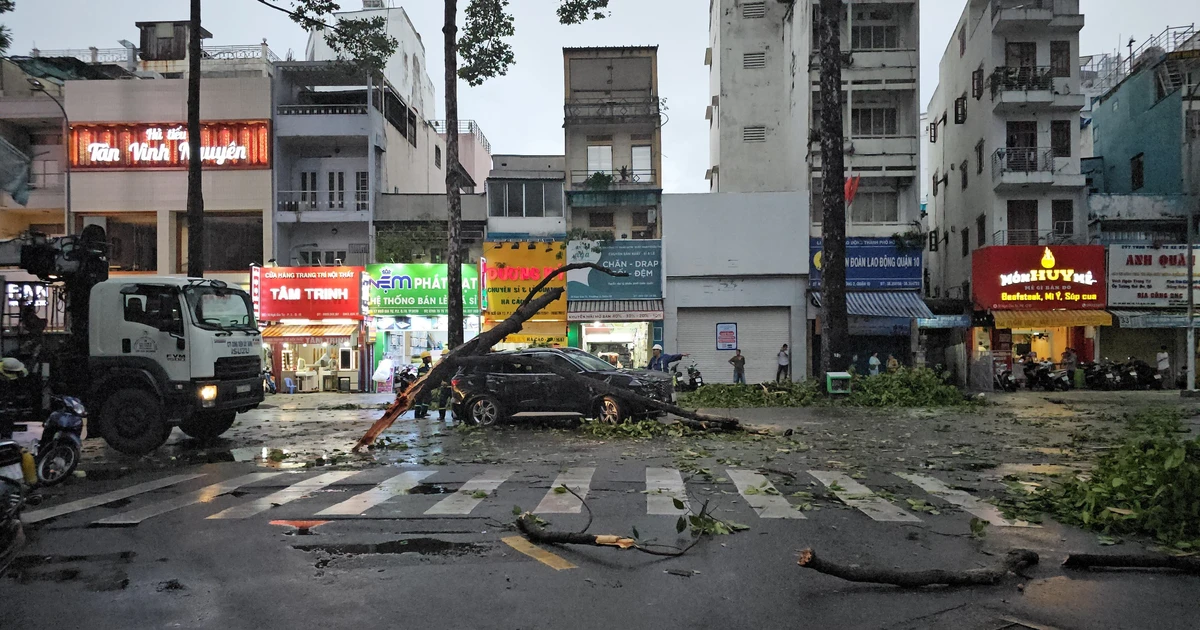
834,322
6,33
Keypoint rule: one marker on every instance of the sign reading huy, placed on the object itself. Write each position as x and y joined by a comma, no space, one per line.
226,145
1036,278
307,292
1149,276
871,263
418,289
641,259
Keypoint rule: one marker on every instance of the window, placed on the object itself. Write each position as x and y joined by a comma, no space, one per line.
535,203
437,157
873,121
552,193
1060,138
1193,124
960,110
981,230
962,168
154,306
753,10
337,190
874,37
525,199
643,165
1060,59
977,83
516,199
232,242
962,40
132,239
600,220
754,60
1020,54
641,218
362,191
874,207
308,190
979,157
754,133
966,241
1062,217
412,127
45,174
936,182
319,258
1137,171
600,158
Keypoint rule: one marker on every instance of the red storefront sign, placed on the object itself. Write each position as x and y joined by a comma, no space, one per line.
226,145
307,292
1038,278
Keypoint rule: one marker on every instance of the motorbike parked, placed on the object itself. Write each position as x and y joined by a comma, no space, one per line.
694,379
1003,380
1137,374
56,443
404,377
1101,375
1048,378
268,381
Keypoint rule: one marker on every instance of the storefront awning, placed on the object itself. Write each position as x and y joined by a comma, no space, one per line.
1050,319
1158,318
614,310
887,304
313,333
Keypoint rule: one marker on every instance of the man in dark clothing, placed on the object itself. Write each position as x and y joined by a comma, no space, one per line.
739,367
421,406
661,362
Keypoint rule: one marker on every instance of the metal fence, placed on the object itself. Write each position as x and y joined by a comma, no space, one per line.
319,110
1022,160
1022,79
619,178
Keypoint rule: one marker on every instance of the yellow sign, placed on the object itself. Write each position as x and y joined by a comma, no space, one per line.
513,269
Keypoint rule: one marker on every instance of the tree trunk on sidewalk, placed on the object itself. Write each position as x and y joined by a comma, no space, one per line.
195,190
454,300
834,324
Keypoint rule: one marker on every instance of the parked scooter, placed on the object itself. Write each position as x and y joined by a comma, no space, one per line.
56,444
404,377
268,381
13,478
1050,379
1137,374
1100,375
1003,380
694,379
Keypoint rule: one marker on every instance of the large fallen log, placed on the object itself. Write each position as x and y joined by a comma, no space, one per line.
528,525
1186,564
1014,561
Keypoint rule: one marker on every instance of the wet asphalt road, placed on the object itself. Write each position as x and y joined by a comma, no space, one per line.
414,536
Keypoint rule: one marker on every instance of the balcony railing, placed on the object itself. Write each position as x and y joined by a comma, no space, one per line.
1022,160
89,55
249,51
620,178
611,110
307,201
465,128
1056,7
1021,79
1062,234
320,110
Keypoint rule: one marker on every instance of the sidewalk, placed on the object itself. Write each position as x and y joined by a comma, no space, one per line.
326,401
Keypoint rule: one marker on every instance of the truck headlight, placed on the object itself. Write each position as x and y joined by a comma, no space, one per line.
208,393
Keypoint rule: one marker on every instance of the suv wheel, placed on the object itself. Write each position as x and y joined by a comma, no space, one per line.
610,410
485,411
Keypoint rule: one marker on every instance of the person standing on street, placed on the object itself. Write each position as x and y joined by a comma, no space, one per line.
1163,360
739,367
1070,361
893,364
421,406
873,364
784,359
661,362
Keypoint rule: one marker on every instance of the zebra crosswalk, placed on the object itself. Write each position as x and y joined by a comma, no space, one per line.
472,492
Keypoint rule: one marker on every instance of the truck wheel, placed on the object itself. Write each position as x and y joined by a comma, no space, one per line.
208,425
132,422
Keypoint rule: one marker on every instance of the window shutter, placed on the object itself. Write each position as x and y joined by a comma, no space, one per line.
960,110
755,133
933,240
754,60
752,10
977,84
933,132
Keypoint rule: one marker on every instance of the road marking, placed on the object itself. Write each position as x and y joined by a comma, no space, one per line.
462,502
298,490
101,499
663,485
763,496
203,495
861,498
537,553
962,499
577,479
360,503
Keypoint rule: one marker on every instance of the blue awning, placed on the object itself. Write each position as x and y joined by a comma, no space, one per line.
887,304
1161,318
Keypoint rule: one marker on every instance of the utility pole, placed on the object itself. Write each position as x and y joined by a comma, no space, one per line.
1191,238
195,190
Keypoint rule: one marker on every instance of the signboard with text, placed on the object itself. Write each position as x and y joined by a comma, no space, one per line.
307,292
1037,278
513,269
1148,276
640,259
727,336
224,145
872,263
396,290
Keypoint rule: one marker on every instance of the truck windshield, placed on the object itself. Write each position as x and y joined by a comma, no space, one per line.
220,308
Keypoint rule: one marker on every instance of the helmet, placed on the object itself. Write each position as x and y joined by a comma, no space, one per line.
13,369
657,346
427,355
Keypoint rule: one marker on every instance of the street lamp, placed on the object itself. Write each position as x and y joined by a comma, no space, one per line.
37,86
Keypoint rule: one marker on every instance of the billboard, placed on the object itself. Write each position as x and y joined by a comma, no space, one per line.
872,263
641,259
1037,278
397,290
1149,276
307,292
513,269
224,145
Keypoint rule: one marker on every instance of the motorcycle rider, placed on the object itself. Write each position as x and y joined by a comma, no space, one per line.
660,362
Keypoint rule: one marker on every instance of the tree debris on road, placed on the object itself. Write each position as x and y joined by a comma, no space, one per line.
1185,564
1014,561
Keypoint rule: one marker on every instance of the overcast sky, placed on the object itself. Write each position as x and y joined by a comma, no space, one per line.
522,112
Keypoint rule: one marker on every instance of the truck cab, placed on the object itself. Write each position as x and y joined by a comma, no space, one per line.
167,351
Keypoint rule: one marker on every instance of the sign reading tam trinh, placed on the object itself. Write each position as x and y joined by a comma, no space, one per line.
1036,278
224,145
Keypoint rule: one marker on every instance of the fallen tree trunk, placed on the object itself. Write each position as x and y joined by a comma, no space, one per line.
528,525
1128,561
1016,560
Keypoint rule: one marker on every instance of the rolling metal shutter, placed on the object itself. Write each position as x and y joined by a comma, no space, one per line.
761,332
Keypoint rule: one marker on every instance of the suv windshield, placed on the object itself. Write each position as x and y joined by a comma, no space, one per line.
220,307
587,361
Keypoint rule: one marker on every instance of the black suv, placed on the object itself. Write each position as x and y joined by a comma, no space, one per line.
484,395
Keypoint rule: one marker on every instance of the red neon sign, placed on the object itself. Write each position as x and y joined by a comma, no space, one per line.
226,145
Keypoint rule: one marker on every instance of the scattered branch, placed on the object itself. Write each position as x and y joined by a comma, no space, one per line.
1186,564
1015,561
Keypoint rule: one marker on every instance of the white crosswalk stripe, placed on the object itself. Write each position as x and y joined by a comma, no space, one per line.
578,480
968,503
861,498
360,503
101,499
203,495
463,501
295,491
663,487
761,495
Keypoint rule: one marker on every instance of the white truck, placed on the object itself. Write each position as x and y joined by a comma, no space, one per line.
144,353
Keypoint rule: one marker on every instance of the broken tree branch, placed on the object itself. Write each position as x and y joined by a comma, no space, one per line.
1014,561
1186,564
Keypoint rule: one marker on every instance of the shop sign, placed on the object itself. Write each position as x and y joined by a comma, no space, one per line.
879,326
640,259
512,270
307,292
727,336
1036,278
871,263
418,289
225,145
1149,276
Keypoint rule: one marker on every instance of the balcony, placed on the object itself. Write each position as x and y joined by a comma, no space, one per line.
346,120
618,179
1011,16
1062,234
301,206
1022,168
620,187
603,111
876,156
872,69
1019,88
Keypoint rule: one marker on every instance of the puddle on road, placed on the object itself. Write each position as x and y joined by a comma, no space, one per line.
99,572
430,488
421,546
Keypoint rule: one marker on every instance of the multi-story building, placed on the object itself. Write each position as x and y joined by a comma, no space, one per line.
1007,187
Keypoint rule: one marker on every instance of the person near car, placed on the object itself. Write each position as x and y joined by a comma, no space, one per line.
421,406
739,367
873,364
661,362
784,360
1163,363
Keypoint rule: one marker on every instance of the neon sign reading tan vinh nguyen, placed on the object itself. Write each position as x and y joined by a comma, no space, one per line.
135,146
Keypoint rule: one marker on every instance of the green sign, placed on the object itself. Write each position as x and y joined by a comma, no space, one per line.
417,289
